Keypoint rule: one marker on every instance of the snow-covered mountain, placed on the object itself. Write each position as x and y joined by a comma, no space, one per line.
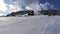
30,25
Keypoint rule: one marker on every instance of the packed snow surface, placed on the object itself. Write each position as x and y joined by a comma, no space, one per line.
30,25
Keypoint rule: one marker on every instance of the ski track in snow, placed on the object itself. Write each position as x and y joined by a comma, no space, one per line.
30,25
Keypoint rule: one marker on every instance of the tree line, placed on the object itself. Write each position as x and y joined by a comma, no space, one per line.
29,12
50,12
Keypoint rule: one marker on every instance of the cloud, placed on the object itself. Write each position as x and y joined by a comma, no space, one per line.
36,6
45,6
1,14
12,6
6,8
2,6
30,4
26,2
33,4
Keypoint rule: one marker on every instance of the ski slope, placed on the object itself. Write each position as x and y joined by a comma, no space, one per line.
30,25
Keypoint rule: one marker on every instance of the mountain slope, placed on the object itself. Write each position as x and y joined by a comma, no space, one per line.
28,25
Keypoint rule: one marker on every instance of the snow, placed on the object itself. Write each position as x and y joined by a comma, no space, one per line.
30,25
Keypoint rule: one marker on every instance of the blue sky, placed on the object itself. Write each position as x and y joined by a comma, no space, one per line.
56,3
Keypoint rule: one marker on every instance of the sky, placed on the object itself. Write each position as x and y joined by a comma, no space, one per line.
8,6
54,2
